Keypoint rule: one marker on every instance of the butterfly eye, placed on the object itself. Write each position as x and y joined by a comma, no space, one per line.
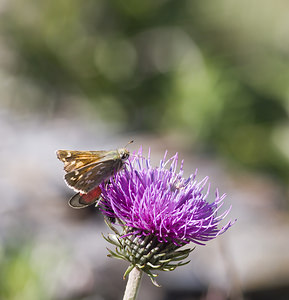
125,156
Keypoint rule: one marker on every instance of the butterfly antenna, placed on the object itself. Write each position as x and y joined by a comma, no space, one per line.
130,142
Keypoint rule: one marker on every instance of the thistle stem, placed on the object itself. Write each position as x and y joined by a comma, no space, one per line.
133,283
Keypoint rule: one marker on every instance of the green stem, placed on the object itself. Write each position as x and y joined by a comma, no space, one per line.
133,283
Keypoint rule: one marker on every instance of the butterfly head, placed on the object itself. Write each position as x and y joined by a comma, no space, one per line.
123,154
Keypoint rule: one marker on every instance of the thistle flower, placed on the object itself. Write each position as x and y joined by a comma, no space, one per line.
159,211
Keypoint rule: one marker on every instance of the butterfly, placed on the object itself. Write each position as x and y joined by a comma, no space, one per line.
86,170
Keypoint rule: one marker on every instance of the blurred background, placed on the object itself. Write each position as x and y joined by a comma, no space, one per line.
209,79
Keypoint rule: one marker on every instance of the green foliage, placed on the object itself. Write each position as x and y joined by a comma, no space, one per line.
210,70
20,277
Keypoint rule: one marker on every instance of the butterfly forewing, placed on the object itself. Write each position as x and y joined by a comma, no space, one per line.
74,160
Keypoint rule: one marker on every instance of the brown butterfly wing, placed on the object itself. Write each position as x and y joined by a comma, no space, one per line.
74,160
88,177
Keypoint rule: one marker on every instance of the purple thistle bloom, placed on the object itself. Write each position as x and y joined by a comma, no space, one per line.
159,202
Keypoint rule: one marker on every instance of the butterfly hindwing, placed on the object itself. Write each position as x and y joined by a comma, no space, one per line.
88,177
80,200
